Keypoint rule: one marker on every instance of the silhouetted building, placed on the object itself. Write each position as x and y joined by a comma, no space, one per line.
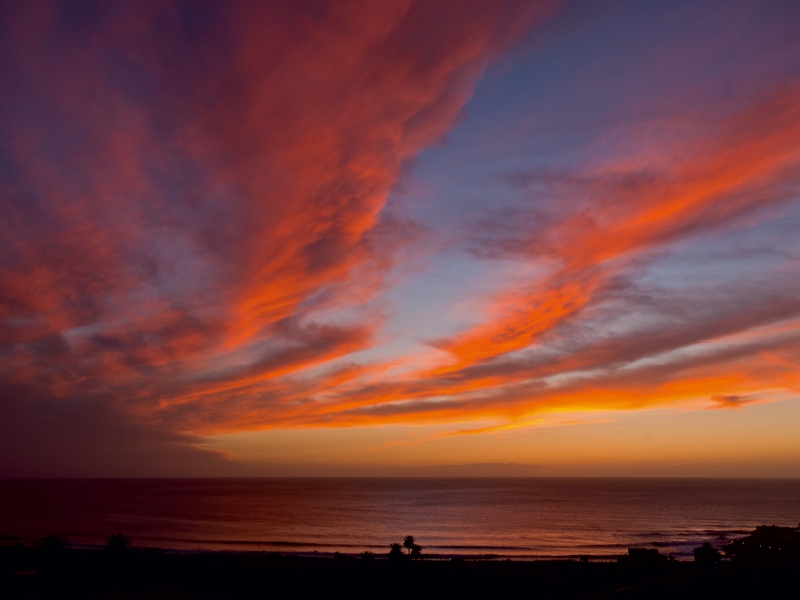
643,558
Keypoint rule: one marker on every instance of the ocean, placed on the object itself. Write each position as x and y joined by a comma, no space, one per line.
520,518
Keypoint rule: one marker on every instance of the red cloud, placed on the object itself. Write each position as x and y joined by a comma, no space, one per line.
488,375
191,188
194,222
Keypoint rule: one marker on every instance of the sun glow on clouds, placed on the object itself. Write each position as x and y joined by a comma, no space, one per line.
210,226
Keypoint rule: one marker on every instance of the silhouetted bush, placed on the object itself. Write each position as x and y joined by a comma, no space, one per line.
395,553
707,555
53,543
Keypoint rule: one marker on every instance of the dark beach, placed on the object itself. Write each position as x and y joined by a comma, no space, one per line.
148,573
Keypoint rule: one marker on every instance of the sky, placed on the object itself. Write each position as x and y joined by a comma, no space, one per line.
380,238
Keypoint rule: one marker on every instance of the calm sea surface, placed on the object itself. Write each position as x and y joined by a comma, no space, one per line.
509,517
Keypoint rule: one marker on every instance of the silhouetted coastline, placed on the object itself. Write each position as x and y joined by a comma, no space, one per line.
765,563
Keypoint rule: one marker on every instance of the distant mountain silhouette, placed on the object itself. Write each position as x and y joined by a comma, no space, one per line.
469,470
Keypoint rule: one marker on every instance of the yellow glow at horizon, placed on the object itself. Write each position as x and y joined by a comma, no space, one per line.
755,440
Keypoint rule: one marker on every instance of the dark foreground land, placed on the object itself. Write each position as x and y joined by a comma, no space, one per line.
29,573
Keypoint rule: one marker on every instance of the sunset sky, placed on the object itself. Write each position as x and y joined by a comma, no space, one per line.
365,238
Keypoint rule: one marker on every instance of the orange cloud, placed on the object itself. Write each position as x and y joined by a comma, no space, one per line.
196,234
490,377
195,212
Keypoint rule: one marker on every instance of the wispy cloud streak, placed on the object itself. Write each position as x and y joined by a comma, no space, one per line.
193,194
196,237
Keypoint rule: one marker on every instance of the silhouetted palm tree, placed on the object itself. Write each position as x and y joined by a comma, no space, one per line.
52,543
416,551
118,542
408,543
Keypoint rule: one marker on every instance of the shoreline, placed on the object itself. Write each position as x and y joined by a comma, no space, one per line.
680,549
190,546
431,556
